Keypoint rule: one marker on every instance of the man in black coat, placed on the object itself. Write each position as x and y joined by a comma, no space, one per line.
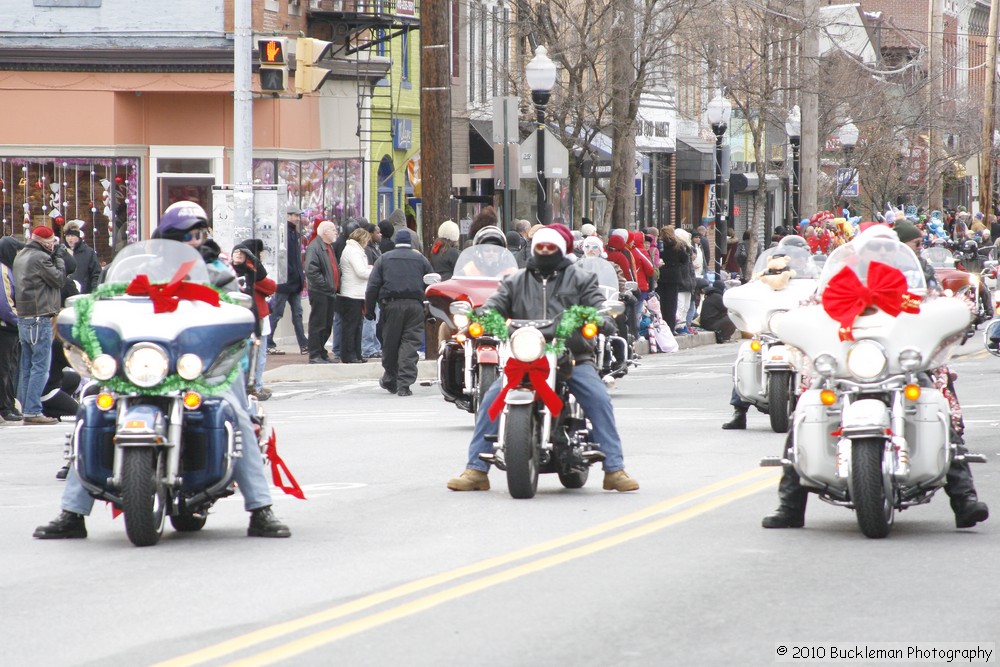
397,285
290,291
88,267
714,314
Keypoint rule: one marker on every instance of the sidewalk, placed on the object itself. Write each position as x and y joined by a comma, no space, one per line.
295,367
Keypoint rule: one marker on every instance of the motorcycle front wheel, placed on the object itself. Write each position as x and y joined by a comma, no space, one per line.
780,400
521,451
143,499
873,504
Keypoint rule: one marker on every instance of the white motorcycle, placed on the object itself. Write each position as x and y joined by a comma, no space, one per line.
765,374
873,433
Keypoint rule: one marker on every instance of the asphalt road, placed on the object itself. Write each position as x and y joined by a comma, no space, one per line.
385,566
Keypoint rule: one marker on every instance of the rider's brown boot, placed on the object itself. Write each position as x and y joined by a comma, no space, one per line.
470,480
619,480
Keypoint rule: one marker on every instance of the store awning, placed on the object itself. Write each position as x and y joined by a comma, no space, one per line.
695,160
480,142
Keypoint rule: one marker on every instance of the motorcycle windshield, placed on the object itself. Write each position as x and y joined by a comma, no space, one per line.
865,249
606,276
796,258
159,260
939,258
485,261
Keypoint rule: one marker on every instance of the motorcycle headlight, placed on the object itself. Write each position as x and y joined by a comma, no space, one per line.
825,365
909,359
77,358
146,364
189,366
866,360
104,367
461,321
770,319
527,344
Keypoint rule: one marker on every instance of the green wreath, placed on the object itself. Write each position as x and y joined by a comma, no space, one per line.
85,333
572,319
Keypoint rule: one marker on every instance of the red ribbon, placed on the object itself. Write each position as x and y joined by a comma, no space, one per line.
278,466
538,377
845,297
165,297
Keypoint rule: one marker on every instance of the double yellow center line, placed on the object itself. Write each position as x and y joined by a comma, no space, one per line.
746,484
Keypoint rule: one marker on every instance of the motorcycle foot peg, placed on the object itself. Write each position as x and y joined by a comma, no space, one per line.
971,458
774,462
593,456
493,437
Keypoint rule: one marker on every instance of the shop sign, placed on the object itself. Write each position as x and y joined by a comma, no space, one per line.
402,134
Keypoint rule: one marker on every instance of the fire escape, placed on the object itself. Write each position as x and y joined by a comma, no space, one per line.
361,32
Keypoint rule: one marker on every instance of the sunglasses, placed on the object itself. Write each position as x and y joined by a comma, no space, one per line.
192,235
547,248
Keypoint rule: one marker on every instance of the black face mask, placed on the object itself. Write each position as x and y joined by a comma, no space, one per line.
548,263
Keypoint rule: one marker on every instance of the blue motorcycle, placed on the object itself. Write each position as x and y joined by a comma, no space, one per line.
156,434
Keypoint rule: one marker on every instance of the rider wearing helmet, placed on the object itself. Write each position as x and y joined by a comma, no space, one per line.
186,222
487,262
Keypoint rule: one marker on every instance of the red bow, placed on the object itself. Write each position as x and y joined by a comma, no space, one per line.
845,297
538,376
278,466
166,297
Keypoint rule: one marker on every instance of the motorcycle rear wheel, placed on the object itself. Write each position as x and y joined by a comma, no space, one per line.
488,374
143,499
873,505
780,400
521,451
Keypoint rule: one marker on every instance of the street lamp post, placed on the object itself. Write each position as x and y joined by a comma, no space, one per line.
541,76
719,111
848,136
793,128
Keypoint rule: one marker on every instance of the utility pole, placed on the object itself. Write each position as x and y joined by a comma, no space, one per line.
986,151
935,55
435,117
241,166
809,101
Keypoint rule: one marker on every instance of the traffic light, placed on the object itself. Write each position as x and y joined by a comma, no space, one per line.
273,66
308,77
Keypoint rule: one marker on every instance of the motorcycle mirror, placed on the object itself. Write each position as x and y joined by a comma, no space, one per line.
991,338
631,285
241,299
613,308
432,278
460,308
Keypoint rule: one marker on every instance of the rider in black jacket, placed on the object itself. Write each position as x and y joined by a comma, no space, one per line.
548,285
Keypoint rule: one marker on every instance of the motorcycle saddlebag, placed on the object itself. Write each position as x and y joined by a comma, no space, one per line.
204,442
815,449
926,434
451,371
747,375
96,443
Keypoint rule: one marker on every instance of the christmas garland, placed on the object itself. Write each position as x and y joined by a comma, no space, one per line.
573,318
85,333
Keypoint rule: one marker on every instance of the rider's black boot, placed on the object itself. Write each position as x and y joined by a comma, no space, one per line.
68,525
263,523
791,512
962,493
738,421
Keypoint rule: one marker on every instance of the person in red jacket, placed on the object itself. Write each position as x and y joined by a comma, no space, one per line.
618,254
248,263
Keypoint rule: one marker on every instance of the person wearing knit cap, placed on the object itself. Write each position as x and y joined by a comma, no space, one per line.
88,266
39,275
396,284
444,252
548,285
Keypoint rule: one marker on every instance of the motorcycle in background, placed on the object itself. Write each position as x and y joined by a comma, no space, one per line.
468,361
542,428
873,432
765,373
153,436
952,274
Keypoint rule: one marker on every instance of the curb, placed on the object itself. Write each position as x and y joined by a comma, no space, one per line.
426,369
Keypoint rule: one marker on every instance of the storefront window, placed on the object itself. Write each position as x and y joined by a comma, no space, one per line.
102,194
328,188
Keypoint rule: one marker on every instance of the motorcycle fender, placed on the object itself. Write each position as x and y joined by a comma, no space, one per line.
865,418
519,397
141,425
747,376
778,358
487,354
814,449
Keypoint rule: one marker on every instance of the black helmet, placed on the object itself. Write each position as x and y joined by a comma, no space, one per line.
794,240
491,235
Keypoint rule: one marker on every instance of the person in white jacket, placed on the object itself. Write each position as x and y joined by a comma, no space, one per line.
354,272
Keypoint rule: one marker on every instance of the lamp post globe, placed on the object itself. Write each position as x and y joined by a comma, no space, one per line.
848,136
540,73
718,113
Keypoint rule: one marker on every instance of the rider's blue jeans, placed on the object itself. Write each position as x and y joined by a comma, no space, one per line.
589,390
248,472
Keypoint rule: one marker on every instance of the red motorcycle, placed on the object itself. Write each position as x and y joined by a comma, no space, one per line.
468,360
952,274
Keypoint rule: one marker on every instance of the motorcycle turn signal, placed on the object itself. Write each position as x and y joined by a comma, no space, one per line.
827,397
475,329
589,330
911,391
755,345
